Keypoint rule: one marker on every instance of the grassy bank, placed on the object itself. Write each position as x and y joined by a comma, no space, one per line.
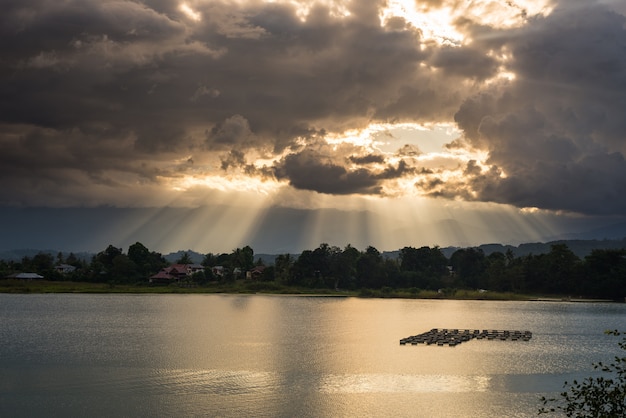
243,287
46,286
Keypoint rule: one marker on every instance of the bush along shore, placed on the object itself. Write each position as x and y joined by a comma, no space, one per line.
242,287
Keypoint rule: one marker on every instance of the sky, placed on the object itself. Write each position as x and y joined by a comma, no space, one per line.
211,125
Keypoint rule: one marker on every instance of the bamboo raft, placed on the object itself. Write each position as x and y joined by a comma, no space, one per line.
454,337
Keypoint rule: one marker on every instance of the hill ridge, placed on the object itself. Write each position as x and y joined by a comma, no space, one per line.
580,247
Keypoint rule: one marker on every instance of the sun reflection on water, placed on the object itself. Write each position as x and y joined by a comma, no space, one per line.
392,383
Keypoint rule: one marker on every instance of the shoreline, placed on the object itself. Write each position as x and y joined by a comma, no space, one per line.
13,286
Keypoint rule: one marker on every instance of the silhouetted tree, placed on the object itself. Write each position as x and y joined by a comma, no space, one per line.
562,269
304,269
496,272
210,260
422,267
605,274
185,258
242,258
146,262
469,265
123,270
370,269
282,268
72,260
345,268
102,264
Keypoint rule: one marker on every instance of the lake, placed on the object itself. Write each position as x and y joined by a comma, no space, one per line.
288,356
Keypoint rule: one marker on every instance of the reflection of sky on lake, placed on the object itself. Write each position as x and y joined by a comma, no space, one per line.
253,355
403,383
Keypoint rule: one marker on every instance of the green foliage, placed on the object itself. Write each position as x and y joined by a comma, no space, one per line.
146,262
602,274
594,397
282,268
605,271
268,274
184,259
370,269
242,258
470,265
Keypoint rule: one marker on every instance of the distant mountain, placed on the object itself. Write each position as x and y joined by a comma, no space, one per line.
616,231
18,254
580,247
195,256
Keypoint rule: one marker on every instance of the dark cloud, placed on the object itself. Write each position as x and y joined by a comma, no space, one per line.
409,150
580,187
367,159
234,130
307,170
401,170
312,170
118,95
233,159
556,134
129,87
465,62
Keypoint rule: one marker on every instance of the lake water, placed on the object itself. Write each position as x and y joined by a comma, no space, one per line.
288,356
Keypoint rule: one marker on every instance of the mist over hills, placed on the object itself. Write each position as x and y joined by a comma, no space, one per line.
278,230
580,247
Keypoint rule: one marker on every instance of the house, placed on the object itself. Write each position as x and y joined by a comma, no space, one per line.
65,268
179,271
162,277
255,273
175,273
184,270
194,268
24,276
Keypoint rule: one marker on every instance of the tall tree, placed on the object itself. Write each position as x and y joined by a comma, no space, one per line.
469,265
123,269
102,264
304,268
345,270
185,258
242,258
370,269
147,262
283,265
562,269
605,274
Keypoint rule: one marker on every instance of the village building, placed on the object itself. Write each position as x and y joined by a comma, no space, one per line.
255,273
24,276
175,273
65,268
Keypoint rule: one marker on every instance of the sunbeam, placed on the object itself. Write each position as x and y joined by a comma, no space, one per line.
289,123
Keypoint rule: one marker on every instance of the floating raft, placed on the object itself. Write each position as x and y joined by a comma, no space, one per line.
454,337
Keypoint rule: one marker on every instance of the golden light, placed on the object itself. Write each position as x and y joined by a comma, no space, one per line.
303,7
385,137
226,183
435,24
189,12
236,202
357,137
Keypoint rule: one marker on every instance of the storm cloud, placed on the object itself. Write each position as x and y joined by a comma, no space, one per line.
104,102
556,134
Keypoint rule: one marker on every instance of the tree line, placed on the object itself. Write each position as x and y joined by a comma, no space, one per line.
601,274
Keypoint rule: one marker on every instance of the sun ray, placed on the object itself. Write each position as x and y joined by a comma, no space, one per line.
189,12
